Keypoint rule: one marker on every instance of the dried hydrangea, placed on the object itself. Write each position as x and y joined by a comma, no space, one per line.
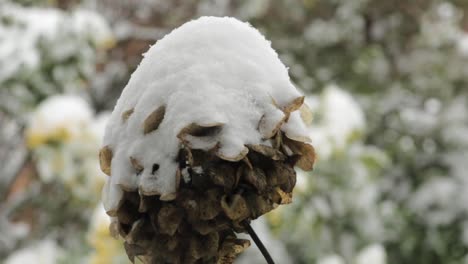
203,139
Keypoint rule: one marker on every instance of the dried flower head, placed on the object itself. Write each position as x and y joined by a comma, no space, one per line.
203,139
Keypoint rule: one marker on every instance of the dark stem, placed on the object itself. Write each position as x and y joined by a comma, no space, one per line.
259,243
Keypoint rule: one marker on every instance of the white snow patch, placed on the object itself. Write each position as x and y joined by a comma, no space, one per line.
340,117
61,112
43,252
373,254
208,71
26,29
331,259
462,44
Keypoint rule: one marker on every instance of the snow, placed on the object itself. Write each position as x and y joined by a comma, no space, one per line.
373,254
99,219
341,118
19,48
210,71
105,249
43,252
24,30
462,44
67,114
69,123
331,259
94,26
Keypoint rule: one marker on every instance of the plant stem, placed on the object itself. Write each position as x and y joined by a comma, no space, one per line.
259,243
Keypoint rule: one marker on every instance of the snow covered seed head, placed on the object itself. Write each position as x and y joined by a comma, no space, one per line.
204,137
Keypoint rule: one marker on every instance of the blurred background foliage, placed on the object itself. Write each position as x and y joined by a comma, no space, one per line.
387,83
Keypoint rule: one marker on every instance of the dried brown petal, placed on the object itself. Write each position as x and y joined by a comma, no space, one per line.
201,157
297,137
274,197
267,151
169,218
200,136
307,160
124,229
222,174
188,201
148,191
247,162
127,212
258,205
305,151
164,249
256,177
136,165
137,232
195,249
105,159
168,196
185,154
231,248
211,244
215,225
190,260
235,207
172,242
281,173
177,178
237,157
290,181
200,181
294,105
285,198
114,229
168,256
280,197
127,186
306,114
149,203
154,119
133,251
127,114
209,204
268,131
200,130
143,206
277,141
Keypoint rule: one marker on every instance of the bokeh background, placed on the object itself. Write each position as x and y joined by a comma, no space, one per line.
387,82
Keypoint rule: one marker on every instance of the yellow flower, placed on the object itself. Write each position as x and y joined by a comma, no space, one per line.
37,138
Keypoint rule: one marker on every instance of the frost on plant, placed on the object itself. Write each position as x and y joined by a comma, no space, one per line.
203,138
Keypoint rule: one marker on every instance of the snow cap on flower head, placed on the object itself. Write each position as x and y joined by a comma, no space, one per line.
212,72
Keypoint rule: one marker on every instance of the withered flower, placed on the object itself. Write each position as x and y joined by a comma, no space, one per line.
192,156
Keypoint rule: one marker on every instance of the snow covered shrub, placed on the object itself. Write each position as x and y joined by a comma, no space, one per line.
45,51
45,251
372,254
64,135
408,71
339,205
203,139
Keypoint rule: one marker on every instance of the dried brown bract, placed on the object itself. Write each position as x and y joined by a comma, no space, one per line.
215,195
